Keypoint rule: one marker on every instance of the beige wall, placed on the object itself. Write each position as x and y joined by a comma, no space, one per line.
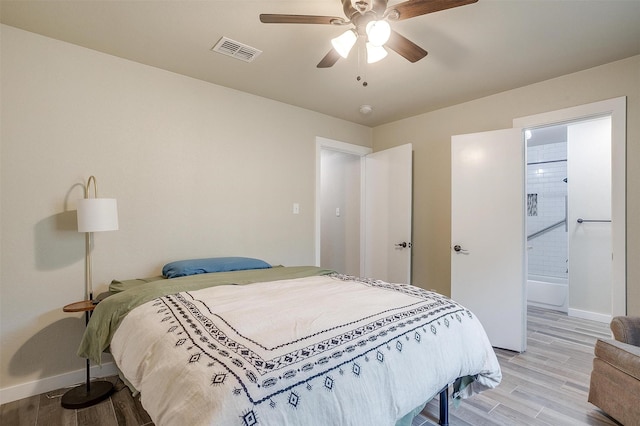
431,134
198,170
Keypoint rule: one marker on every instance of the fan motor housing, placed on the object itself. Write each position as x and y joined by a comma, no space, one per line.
353,7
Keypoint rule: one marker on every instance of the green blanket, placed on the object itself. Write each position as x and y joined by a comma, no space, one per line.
110,312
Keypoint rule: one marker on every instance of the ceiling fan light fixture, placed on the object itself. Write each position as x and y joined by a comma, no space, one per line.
343,43
378,32
375,53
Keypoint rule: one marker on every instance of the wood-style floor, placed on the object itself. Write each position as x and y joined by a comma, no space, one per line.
546,385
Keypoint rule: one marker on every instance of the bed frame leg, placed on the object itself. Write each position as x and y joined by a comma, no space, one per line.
444,407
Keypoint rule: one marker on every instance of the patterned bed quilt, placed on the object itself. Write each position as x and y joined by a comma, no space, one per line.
316,350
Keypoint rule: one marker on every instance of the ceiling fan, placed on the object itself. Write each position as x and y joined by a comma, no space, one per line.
370,20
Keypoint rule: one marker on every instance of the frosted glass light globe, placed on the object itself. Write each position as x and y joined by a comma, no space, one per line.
378,32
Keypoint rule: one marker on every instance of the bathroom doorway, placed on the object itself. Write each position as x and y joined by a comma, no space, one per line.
569,215
587,279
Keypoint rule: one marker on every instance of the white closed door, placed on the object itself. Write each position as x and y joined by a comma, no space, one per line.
387,218
488,260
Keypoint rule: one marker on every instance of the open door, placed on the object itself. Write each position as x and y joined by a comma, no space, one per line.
488,260
387,217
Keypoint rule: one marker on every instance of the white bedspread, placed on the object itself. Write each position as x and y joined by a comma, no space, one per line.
324,350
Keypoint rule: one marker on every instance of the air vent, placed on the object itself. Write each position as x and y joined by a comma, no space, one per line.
237,50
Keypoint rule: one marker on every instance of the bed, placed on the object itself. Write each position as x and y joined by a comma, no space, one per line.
288,346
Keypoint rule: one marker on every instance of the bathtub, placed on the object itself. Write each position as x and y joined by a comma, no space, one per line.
548,292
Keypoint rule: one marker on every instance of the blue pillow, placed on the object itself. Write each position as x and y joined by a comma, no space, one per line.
182,268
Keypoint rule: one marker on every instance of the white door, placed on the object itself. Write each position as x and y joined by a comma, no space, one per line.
488,263
387,217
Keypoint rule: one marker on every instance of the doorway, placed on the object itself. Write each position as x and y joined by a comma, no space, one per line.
340,195
339,201
569,217
367,197
611,235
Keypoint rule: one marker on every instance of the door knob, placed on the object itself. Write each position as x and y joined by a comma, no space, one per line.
403,244
459,249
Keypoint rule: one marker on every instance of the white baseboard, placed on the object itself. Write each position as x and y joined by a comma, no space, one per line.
47,384
593,316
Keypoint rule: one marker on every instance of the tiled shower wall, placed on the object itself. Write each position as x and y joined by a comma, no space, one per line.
546,192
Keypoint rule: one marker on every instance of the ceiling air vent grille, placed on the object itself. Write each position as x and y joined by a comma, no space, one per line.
237,50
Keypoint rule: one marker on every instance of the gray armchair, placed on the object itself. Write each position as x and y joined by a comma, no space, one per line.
615,379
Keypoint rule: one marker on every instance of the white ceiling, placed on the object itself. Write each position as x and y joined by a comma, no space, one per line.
474,50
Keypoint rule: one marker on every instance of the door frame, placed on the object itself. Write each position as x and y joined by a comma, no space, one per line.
347,148
617,109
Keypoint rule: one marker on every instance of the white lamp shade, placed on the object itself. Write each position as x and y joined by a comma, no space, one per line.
343,43
375,53
378,32
97,214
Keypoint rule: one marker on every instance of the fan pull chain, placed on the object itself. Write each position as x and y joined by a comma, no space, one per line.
361,53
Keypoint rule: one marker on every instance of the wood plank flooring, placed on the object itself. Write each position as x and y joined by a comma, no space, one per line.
546,385
118,410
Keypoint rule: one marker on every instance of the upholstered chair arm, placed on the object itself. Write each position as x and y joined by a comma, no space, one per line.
622,356
626,329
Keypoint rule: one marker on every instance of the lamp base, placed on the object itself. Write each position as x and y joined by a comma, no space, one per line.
78,397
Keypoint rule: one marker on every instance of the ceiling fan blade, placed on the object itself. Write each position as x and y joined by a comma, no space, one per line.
329,60
412,8
405,47
300,19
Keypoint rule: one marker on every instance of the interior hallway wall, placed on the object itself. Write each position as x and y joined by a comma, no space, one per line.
431,134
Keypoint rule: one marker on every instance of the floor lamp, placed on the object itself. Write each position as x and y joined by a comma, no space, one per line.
94,215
